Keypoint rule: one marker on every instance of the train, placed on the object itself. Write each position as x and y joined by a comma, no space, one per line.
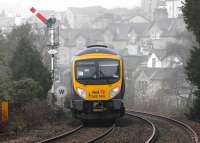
97,84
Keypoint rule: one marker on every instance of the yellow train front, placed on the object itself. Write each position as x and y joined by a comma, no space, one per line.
97,84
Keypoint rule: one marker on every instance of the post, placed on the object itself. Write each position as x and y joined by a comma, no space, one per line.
53,40
52,73
53,43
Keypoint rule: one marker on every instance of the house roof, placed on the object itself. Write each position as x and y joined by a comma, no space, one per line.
91,35
141,19
121,11
134,61
140,28
108,16
120,30
160,53
161,73
90,11
165,25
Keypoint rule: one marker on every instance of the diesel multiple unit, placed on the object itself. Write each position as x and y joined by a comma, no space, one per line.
97,87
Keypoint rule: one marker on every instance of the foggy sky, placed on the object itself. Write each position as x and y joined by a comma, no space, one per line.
22,6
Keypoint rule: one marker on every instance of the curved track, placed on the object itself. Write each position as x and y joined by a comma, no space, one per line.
170,130
80,131
182,132
154,132
87,134
61,135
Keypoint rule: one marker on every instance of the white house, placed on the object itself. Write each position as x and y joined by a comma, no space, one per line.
174,8
154,61
133,49
172,61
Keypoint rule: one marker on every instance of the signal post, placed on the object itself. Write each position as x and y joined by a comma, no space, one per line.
52,40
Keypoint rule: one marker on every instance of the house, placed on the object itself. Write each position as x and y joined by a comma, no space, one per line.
83,17
174,8
133,49
151,81
160,14
161,33
77,39
131,64
172,61
142,78
154,61
118,33
124,13
137,30
163,59
155,58
104,20
108,36
149,6
6,24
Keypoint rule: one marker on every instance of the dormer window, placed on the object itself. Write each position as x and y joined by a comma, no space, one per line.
155,35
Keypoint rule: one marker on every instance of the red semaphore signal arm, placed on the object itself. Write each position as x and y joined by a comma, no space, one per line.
39,15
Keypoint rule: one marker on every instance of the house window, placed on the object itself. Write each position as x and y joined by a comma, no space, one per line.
155,35
153,62
142,87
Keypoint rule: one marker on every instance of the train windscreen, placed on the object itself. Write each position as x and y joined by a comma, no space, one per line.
98,71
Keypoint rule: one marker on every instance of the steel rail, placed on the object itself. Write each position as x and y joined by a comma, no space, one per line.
154,134
102,135
62,135
193,135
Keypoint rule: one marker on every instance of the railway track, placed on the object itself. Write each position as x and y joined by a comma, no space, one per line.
154,133
170,130
76,134
162,130
79,134
61,135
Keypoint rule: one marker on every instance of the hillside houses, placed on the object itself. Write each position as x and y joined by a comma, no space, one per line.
83,17
155,82
6,23
173,7
152,57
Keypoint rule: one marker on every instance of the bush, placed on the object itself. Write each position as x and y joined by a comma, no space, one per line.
27,63
25,91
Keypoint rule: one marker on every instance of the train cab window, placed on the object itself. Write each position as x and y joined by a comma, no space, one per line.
97,71
85,70
108,69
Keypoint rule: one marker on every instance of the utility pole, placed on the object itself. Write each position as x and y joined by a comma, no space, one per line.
53,40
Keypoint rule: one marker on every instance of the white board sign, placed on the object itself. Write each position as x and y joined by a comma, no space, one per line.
61,91
52,52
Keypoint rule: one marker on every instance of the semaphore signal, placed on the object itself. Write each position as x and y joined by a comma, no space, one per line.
39,15
53,39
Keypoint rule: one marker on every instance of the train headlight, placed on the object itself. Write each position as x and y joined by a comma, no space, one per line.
114,92
81,92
